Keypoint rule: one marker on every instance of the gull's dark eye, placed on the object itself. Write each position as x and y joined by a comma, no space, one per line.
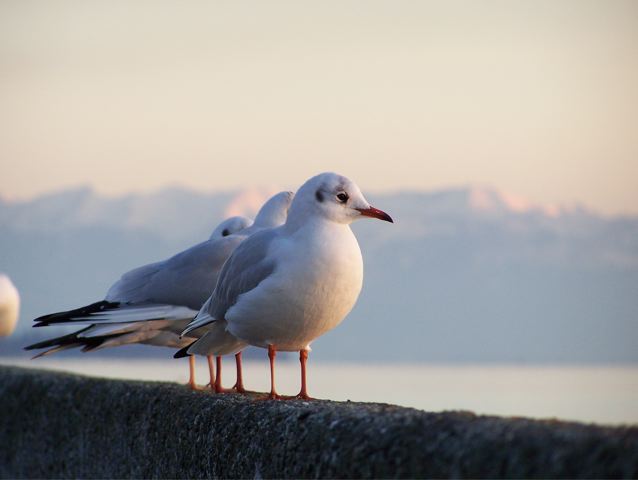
225,232
342,197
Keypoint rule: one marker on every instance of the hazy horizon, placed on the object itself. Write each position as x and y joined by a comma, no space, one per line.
259,193
536,98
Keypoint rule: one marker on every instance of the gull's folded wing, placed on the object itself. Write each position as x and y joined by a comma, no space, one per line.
246,268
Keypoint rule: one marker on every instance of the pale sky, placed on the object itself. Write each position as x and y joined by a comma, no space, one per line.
539,98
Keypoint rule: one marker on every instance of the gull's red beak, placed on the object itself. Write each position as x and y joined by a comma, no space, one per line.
375,213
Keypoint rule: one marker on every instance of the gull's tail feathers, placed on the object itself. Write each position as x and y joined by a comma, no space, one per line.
98,337
59,348
102,330
105,312
57,341
183,352
158,338
66,342
202,318
216,341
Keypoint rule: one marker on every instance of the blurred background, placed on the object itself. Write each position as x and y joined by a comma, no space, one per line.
502,137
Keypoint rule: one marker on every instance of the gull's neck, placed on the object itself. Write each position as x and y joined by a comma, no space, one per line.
310,221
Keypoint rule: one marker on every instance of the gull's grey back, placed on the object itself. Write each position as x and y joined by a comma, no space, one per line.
186,278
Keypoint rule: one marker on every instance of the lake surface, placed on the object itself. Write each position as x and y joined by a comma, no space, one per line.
605,394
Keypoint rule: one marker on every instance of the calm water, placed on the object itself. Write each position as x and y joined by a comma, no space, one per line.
591,394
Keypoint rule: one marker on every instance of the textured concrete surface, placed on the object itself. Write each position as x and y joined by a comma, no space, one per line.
56,425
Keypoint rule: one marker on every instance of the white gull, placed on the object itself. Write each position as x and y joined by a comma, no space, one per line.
284,287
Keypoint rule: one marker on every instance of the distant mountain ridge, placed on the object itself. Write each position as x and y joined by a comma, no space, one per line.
159,212
465,274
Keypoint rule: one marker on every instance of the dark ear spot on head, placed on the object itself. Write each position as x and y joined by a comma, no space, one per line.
319,196
225,232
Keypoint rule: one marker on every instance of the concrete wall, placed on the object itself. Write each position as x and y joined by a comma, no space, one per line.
60,425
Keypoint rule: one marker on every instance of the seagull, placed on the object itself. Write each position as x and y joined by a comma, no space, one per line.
283,287
146,305
9,306
231,226
152,304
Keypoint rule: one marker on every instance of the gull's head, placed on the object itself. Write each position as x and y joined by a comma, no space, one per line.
275,211
230,226
336,198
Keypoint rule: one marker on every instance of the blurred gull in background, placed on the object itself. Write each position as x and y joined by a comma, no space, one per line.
9,306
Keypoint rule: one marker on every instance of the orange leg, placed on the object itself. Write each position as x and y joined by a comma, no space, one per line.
191,369
211,371
272,353
218,381
303,357
239,384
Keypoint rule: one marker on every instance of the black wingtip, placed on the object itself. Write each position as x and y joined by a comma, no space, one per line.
69,315
61,341
183,352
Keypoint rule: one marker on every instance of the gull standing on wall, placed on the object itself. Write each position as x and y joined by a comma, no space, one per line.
284,287
152,304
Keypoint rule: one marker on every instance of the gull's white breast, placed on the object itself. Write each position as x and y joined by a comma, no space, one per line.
316,282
